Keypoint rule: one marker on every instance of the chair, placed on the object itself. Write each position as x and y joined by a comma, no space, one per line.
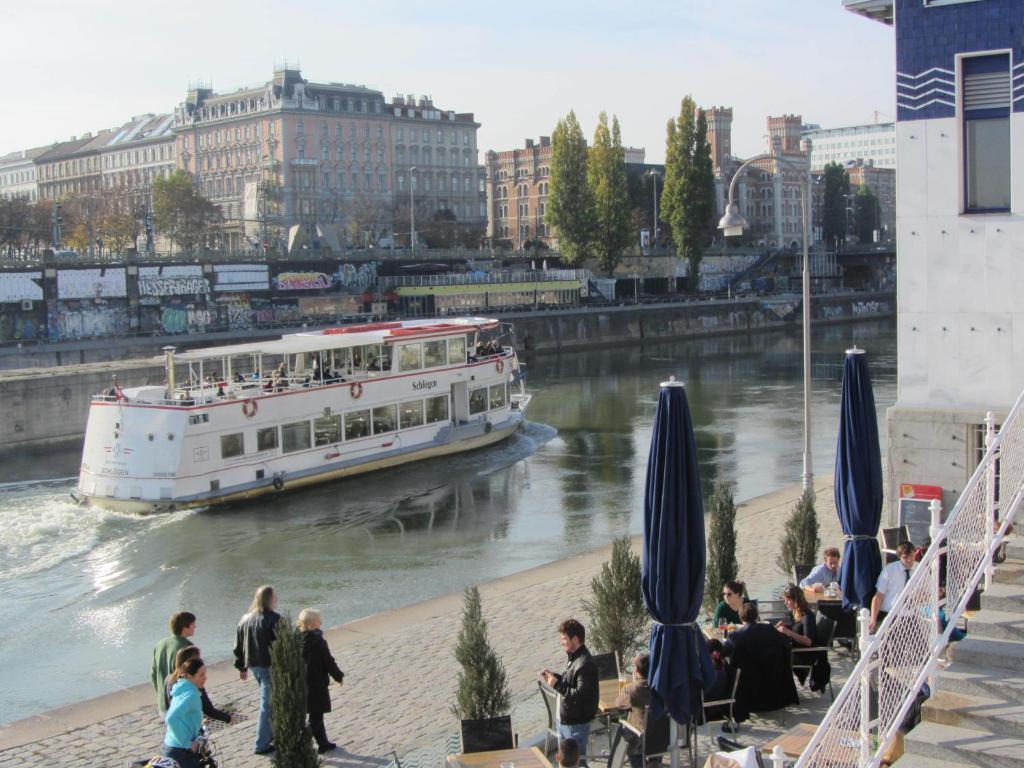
654,739
718,706
728,745
801,572
891,537
552,702
806,657
607,666
845,630
487,734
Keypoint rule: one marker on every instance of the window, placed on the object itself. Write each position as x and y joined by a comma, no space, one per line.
232,445
410,414
266,439
457,351
409,357
385,419
295,436
327,430
478,400
357,424
986,110
437,408
434,354
498,396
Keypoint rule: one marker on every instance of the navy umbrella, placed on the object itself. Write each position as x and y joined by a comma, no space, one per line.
858,482
673,559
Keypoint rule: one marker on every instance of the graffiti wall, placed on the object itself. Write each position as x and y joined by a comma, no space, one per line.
302,281
91,283
173,280
20,286
351,278
87,319
241,277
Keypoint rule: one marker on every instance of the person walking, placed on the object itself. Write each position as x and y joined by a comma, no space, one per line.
183,626
185,715
256,632
320,668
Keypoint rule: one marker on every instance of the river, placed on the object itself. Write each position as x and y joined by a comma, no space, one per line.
84,594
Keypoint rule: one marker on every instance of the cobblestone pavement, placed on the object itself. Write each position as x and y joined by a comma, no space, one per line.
400,672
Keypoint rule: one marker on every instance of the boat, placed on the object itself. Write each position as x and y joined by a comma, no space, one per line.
266,417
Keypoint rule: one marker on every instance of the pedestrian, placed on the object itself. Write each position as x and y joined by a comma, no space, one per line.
183,626
320,668
210,711
185,715
256,632
577,685
891,581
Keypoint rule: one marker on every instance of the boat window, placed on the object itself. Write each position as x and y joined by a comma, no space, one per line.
437,408
385,419
385,358
341,361
478,400
327,430
232,445
410,414
295,436
409,357
434,354
498,396
357,424
457,351
266,439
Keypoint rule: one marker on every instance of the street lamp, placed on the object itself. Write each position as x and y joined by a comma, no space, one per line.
655,175
733,224
412,213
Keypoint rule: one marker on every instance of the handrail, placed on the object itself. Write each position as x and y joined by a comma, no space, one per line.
905,652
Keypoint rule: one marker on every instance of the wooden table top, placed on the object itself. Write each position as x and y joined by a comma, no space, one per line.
608,693
795,741
525,757
813,597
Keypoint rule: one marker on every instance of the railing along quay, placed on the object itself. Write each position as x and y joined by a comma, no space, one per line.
905,652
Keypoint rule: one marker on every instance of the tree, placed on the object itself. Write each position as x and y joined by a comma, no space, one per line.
833,211
180,212
292,736
865,214
117,229
570,207
721,564
482,684
800,540
366,220
606,176
688,196
618,617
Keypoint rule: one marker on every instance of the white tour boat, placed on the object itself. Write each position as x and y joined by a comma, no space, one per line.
265,417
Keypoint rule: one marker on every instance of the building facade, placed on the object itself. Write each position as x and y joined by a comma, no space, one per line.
518,182
72,167
19,176
141,151
960,225
874,144
882,182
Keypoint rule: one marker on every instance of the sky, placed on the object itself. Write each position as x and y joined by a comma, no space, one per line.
83,65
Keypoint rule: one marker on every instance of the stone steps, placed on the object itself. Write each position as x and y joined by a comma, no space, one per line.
920,761
974,680
963,746
992,715
1003,597
1010,572
997,625
987,652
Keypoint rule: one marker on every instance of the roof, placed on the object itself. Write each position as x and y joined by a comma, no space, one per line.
346,336
880,10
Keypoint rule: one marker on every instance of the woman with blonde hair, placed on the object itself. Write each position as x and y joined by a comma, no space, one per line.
256,632
320,667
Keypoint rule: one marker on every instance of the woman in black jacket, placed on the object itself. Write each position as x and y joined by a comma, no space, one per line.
320,667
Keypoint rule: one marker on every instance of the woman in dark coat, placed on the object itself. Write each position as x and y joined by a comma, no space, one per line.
320,667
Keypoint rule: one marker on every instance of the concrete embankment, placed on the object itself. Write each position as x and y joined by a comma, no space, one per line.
44,406
400,671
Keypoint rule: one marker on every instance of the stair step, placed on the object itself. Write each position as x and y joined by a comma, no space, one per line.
1009,572
980,713
920,761
1004,597
1015,547
975,680
998,625
986,652
964,746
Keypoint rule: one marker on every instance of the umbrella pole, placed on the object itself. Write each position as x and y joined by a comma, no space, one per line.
673,741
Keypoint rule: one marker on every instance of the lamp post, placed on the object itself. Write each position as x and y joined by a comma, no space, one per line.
732,224
412,213
655,175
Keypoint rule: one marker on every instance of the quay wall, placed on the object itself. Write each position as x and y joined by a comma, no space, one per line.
46,406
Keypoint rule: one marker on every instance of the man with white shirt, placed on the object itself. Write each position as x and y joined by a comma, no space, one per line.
824,573
891,581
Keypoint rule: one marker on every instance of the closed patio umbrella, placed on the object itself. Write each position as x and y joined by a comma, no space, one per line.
673,559
858,482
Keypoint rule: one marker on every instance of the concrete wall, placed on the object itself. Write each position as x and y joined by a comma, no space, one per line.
49,405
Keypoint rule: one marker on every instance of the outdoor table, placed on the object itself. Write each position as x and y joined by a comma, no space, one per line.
608,693
813,597
525,757
795,741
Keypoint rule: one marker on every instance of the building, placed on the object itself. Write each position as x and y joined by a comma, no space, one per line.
18,174
140,151
72,167
874,144
960,224
882,182
517,184
768,193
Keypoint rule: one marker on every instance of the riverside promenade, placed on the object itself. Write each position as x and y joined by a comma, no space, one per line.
399,668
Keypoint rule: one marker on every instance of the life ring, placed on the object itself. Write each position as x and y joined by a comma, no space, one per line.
278,484
356,389
500,366
249,408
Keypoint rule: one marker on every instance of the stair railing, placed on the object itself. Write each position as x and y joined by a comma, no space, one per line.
905,652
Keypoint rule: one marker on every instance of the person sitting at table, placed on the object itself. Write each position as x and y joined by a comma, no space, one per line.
728,610
568,755
636,696
801,627
762,655
824,573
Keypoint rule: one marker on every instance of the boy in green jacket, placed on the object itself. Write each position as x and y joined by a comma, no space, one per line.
183,626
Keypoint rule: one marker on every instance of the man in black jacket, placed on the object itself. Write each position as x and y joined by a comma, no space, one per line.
762,653
256,632
577,685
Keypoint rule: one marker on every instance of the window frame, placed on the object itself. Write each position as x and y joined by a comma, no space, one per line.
963,120
263,432
366,415
241,445
299,446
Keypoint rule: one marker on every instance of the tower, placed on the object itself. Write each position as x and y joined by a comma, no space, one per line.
719,134
787,130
